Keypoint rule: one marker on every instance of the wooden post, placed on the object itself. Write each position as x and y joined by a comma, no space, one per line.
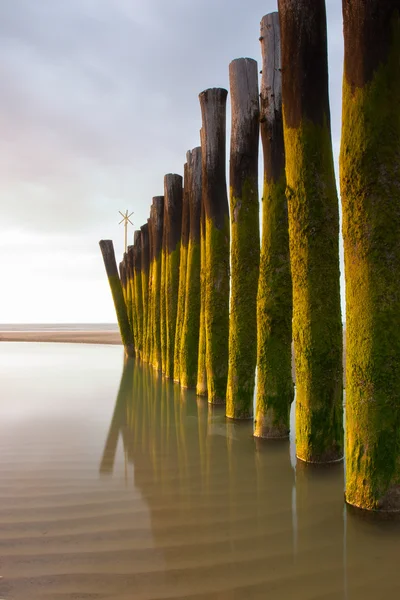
182,267
173,214
130,291
157,218
370,183
163,316
215,199
122,275
150,328
145,284
245,237
191,322
138,296
201,384
313,231
274,302
107,250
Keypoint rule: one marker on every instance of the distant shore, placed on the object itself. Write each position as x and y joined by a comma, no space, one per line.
80,337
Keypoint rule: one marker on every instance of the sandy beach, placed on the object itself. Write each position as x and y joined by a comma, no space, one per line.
82,337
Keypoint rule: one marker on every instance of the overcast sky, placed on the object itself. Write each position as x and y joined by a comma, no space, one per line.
98,100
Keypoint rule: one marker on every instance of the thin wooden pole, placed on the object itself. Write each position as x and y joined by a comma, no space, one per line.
370,184
191,321
201,384
182,266
145,284
274,303
157,218
107,250
215,199
245,237
173,213
313,231
138,296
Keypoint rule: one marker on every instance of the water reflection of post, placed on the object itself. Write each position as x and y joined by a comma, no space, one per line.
118,420
320,554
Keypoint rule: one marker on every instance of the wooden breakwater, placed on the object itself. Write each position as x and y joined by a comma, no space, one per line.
202,301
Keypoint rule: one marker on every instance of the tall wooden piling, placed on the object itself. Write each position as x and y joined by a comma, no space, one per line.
201,383
313,231
173,214
163,326
145,284
215,199
157,219
191,322
182,267
370,183
274,301
245,237
138,296
107,250
130,292
150,324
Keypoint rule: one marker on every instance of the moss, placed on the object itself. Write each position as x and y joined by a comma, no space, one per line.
201,384
274,317
150,324
138,311
171,306
180,310
370,183
155,316
245,258
191,323
122,317
217,309
314,255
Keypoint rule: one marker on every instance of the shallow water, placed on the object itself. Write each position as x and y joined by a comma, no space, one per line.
129,488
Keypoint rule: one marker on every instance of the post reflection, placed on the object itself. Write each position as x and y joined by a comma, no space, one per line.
229,515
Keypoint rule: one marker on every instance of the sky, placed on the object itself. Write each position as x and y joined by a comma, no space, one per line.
99,99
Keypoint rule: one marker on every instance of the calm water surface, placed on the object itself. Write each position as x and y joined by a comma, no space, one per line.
116,485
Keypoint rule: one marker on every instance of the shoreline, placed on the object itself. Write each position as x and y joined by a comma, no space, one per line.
76,337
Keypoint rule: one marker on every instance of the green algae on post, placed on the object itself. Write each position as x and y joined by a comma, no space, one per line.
245,237
163,327
182,268
157,218
215,199
149,348
107,250
130,291
275,389
370,183
313,231
173,216
191,322
137,297
145,284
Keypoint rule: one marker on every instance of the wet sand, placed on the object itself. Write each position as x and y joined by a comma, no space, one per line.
82,337
124,487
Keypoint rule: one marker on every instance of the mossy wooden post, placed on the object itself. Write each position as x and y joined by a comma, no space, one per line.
191,322
145,283
313,231
157,218
173,204
122,275
107,250
201,384
182,267
215,199
130,291
149,349
245,237
370,184
163,329
274,301
138,297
